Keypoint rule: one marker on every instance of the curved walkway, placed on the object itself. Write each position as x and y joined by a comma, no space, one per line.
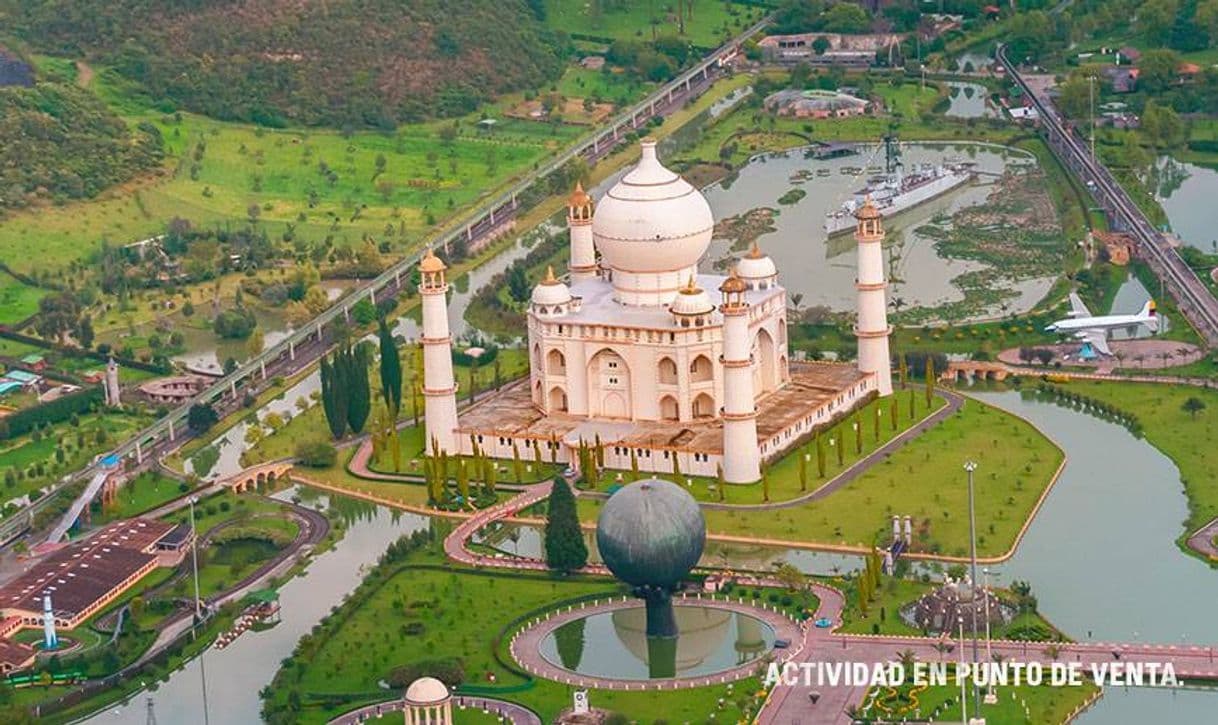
526,645
513,713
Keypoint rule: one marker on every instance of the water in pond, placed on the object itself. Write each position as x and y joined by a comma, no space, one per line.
1186,192
231,444
615,644
823,270
968,100
236,673
1101,554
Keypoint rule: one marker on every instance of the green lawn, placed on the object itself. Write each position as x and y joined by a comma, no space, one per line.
216,171
711,22
1016,463
145,492
616,88
17,301
441,612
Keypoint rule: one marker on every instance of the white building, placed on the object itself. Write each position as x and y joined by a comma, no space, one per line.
660,363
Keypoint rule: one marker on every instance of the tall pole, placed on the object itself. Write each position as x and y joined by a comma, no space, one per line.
963,699
989,652
971,466
194,557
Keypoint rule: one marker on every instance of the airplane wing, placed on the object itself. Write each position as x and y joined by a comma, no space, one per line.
1077,308
1097,338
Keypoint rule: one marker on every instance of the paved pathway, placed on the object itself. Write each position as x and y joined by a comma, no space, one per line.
515,714
1203,540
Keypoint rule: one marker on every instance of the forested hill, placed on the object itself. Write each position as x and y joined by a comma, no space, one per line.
58,143
316,62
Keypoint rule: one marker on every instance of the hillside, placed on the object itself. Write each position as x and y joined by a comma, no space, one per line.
340,62
58,142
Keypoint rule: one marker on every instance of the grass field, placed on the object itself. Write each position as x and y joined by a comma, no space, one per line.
145,492
438,612
17,301
1016,463
394,186
709,24
1016,705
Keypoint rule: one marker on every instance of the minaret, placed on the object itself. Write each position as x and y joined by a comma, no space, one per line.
579,223
439,389
872,328
113,393
741,456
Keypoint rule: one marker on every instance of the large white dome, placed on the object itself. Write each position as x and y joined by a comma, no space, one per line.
426,691
652,221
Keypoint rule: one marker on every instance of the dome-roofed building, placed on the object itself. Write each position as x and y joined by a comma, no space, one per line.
428,702
636,350
650,534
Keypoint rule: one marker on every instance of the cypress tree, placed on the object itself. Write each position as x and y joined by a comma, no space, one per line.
391,370
820,455
517,464
894,411
634,465
333,399
803,470
565,548
358,389
930,381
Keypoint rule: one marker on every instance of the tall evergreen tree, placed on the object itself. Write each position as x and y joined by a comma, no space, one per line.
333,400
358,389
391,370
565,548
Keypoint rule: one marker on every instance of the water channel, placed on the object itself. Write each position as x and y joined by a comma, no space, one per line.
1186,193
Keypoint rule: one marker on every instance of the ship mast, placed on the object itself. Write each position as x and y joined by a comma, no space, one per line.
892,156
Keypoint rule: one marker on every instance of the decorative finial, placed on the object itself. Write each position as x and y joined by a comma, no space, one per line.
755,251
550,278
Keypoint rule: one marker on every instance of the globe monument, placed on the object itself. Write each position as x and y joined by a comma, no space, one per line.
650,535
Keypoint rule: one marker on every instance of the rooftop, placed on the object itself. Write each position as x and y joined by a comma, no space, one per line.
81,573
600,308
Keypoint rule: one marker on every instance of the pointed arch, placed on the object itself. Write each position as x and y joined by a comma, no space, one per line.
701,369
704,406
669,410
765,364
556,362
609,377
557,400
667,371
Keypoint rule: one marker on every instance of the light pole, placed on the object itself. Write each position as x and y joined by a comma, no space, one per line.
990,697
194,557
963,698
971,466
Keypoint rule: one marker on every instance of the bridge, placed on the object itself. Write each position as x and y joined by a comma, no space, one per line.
1195,301
310,341
254,476
970,370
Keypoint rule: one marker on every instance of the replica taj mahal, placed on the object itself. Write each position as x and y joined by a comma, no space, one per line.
632,351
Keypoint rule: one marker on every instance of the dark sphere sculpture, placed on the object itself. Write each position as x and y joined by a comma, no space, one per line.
650,534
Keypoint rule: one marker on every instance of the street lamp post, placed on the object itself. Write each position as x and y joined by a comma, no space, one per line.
194,557
971,466
963,697
990,697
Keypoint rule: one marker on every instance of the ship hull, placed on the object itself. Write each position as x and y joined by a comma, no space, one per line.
842,222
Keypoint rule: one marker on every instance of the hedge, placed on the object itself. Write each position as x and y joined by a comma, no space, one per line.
56,411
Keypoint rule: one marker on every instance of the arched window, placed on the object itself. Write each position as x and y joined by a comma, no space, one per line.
556,364
668,371
668,408
704,406
701,370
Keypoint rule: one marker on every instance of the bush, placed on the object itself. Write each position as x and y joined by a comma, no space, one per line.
450,671
317,454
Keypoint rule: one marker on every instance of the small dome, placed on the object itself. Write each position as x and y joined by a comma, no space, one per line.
551,290
756,265
431,263
579,197
652,221
426,691
651,533
867,210
733,284
691,300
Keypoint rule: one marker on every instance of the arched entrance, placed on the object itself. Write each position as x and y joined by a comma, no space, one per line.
764,379
610,393
558,400
701,370
556,364
704,406
668,371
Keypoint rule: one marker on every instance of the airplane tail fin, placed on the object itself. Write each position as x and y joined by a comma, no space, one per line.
1149,315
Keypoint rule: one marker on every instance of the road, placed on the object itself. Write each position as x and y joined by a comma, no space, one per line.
308,342
1191,294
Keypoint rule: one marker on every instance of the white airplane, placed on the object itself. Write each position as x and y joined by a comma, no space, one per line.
1082,325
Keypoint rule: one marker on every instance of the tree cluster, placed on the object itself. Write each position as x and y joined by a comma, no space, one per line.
346,396
564,540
